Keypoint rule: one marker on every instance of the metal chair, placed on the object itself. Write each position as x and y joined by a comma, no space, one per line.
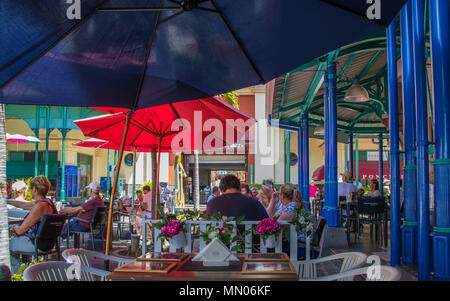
96,223
308,269
93,259
371,211
47,235
387,273
62,271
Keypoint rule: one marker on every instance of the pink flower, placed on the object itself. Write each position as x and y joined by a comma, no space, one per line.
223,231
267,226
172,228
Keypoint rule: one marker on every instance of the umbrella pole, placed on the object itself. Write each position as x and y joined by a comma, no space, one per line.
158,162
114,187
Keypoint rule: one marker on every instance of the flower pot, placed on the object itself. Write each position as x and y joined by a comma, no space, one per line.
179,240
271,241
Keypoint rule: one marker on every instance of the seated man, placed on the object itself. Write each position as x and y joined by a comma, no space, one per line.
85,211
233,203
22,237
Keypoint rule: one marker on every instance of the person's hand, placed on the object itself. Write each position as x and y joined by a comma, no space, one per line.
275,198
12,231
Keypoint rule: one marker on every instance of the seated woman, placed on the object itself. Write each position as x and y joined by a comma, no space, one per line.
22,237
85,211
19,207
375,189
290,199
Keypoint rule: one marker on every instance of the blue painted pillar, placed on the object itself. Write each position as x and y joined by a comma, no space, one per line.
423,196
305,159
331,162
440,49
380,162
327,152
299,158
346,156
394,144
350,144
409,228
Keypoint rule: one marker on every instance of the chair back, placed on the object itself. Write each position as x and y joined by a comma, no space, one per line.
93,259
342,263
371,205
99,216
61,271
320,225
49,229
387,273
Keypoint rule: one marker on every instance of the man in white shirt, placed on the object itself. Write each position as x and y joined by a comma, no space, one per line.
346,185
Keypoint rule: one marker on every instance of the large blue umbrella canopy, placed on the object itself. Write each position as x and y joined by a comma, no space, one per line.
136,54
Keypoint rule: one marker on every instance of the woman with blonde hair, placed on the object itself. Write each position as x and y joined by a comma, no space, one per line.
290,198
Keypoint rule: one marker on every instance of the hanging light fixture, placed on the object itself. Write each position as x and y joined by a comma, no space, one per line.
319,131
357,93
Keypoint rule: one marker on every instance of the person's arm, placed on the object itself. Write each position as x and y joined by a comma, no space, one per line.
121,206
286,216
72,210
21,204
35,215
272,205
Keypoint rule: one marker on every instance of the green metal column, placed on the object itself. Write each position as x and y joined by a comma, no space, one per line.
63,156
251,174
357,161
47,134
287,157
108,180
36,131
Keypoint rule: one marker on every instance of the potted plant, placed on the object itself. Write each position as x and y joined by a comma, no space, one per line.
225,232
268,229
303,221
172,230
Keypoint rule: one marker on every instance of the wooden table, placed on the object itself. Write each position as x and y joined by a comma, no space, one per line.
176,275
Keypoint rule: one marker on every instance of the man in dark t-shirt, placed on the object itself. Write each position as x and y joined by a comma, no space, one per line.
233,203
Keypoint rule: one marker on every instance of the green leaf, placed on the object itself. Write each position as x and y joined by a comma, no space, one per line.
235,248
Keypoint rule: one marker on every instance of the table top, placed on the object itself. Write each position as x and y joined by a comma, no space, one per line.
177,275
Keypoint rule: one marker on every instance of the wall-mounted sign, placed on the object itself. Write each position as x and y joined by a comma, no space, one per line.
374,156
128,160
293,159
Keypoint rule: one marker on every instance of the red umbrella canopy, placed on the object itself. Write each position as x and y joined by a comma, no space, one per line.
103,144
319,174
179,125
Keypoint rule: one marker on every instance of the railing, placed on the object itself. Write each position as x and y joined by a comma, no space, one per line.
293,241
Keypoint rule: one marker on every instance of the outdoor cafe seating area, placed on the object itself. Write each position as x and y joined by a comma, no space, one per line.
151,259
